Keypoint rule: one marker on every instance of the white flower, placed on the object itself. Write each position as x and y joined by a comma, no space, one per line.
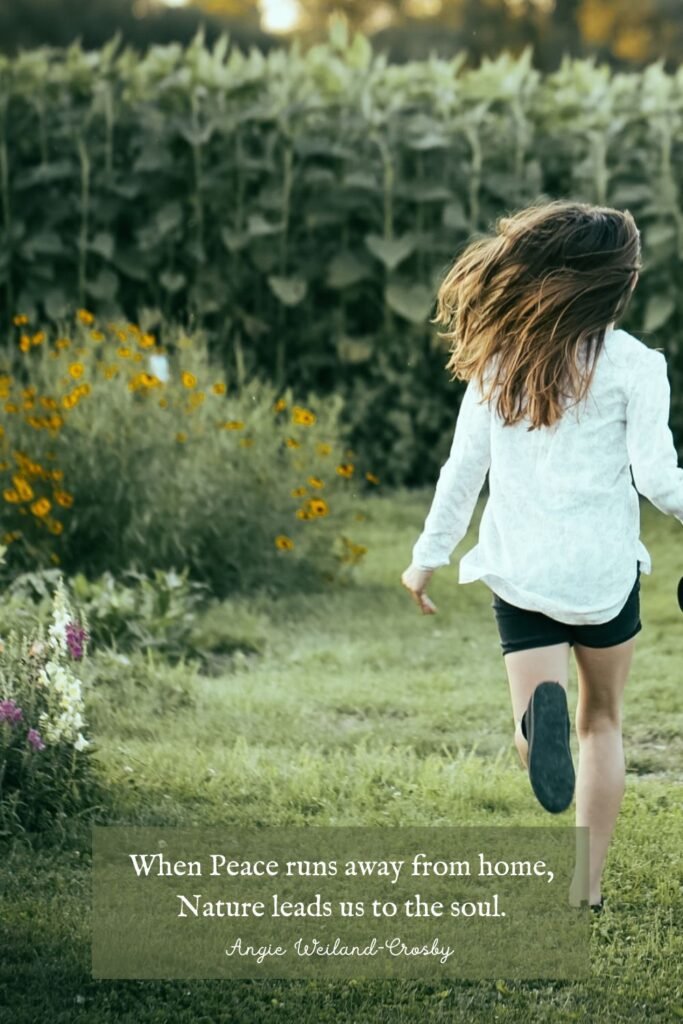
80,742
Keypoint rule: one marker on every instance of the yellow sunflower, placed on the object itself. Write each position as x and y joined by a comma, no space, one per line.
317,506
41,507
303,416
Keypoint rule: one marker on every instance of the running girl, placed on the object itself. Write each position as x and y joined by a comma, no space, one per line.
568,415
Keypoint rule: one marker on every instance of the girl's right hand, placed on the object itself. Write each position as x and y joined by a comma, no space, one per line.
415,580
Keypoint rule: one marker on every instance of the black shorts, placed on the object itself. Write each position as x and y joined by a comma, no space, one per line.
521,629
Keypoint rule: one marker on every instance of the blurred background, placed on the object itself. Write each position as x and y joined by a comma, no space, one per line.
620,32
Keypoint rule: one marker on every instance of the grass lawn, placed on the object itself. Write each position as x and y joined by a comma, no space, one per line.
364,711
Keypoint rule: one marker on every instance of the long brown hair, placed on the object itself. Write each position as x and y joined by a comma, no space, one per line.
534,297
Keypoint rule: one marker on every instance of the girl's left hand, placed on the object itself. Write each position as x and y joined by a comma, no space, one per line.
415,580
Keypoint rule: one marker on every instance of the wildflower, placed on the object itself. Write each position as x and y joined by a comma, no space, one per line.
298,492
24,343
196,399
303,416
41,507
80,743
317,506
302,513
11,496
10,712
38,338
11,407
62,343
61,616
97,335
233,425
70,400
110,371
20,320
48,403
292,442
143,380
147,341
55,527
345,469
57,474
372,478
82,390
85,317
284,543
35,739
22,487
124,352
218,388
279,405
188,379
323,448
76,370
76,638
316,482
353,552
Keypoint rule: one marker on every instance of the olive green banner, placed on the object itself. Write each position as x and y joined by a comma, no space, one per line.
347,902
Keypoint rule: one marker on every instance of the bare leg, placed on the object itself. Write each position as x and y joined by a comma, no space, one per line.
525,670
602,675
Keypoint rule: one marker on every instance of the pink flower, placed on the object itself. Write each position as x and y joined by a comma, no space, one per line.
35,739
76,637
10,712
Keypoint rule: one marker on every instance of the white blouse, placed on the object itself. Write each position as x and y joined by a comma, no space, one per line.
560,531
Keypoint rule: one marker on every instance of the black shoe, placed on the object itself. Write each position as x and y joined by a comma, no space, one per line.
551,771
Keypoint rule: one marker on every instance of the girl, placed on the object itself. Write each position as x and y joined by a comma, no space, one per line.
568,415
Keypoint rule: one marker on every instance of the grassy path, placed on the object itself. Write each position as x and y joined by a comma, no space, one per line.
364,711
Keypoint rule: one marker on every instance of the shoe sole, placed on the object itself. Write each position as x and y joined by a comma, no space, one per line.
551,770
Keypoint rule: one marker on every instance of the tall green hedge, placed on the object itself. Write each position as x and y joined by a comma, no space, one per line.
303,206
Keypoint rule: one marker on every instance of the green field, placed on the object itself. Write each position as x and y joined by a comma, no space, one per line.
364,711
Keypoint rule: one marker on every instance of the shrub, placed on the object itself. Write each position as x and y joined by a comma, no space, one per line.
45,766
303,206
117,454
